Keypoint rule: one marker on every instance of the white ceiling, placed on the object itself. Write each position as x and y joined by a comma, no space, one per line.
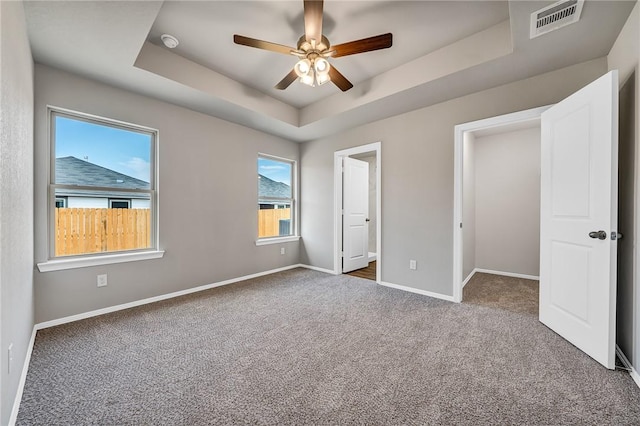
417,27
441,50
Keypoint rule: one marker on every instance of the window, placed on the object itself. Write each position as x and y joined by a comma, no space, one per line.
61,202
119,204
276,203
97,167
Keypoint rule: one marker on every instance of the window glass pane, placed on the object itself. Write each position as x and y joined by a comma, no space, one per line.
87,225
275,198
274,220
92,154
120,204
103,197
274,178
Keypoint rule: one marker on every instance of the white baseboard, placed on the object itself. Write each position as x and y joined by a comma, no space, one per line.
372,256
315,268
625,361
23,379
466,280
133,304
78,317
417,291
507,274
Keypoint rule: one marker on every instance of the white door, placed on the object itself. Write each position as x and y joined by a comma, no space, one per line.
355,220
579,198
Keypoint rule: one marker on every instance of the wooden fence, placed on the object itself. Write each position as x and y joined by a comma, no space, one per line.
269,221
80,231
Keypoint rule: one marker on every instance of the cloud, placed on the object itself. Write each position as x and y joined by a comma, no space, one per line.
138,168
273,167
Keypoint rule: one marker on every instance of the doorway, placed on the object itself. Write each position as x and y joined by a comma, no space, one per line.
369,251
482,237
578,214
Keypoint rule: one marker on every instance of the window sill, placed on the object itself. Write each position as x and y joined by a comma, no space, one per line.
276,240
107,259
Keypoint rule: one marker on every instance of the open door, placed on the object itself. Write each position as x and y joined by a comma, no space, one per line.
355,222
578,228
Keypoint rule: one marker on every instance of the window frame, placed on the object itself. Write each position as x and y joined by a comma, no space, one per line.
90,259
293,201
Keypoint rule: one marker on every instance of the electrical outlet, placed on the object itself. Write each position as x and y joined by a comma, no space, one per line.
9,358
413,265
282,251
102,280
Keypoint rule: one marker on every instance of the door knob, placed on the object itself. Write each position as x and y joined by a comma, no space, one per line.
601,235
367,220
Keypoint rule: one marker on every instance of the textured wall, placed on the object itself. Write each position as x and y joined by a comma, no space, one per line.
16,195
417,176
372,202
468,205
625,57
507,181
207,200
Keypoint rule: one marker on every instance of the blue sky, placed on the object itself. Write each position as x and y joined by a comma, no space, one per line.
121,150
275,170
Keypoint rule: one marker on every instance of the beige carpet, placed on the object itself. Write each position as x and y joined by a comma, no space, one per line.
495,291
306,348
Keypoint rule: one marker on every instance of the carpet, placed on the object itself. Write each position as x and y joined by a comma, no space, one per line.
304,347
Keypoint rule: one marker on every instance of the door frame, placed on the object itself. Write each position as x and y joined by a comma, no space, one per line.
375,147
459,132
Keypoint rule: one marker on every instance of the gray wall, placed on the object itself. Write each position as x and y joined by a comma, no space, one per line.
207,194
16,194
626,214
507,178
372,202
625,57
417,176
468,205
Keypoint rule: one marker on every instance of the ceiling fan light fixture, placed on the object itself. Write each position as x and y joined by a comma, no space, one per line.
321,66
308,79
303,67
322,79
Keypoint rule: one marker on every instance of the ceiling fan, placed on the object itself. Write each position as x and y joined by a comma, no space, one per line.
313,49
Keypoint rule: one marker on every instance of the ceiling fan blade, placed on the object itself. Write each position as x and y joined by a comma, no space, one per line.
382,41
285,82
313,20
261,44
339,79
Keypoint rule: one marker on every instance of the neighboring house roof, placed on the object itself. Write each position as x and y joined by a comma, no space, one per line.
269,188
73,171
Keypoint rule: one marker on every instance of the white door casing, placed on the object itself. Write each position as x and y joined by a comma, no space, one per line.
579,182
355,238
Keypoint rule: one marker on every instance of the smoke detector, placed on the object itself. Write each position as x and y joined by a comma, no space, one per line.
170,41
554,16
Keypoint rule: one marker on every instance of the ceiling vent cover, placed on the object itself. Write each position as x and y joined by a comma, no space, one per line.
555,16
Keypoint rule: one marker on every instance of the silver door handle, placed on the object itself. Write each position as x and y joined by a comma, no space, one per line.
601,235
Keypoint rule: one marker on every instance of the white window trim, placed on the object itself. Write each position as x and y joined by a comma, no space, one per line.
62,263
95,259
276,240
295,236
